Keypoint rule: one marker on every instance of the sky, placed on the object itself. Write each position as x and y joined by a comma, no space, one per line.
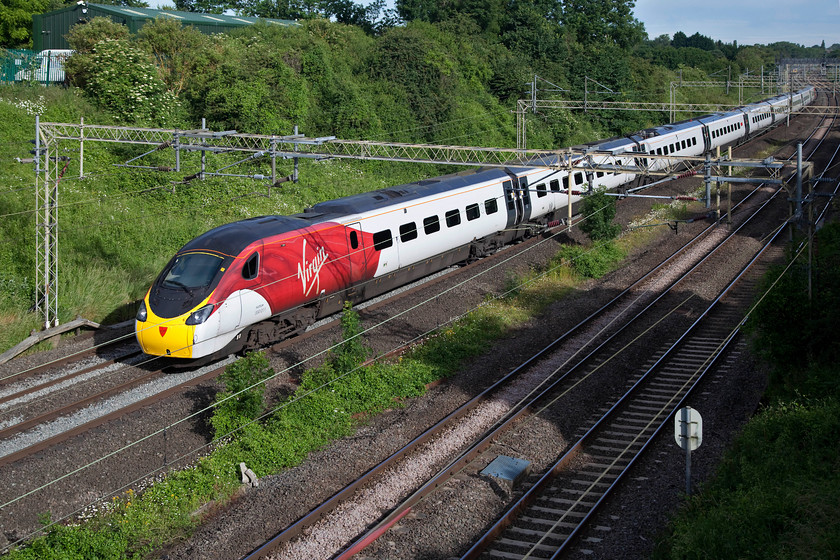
805,22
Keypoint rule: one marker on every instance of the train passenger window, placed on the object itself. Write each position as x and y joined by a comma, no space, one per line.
684,146
408,232
672,148
474,213
491,206
541,192
252,267
382,239
354,240
578,178
554,185
453,218
432,223
566,183
599,174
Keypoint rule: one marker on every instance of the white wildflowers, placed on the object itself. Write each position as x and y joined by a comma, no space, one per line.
31,107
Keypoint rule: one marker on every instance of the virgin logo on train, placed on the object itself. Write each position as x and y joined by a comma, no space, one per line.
309,273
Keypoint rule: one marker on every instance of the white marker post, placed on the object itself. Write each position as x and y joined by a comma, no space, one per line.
688,433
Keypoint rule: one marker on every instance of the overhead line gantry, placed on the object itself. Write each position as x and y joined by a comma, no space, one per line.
50,167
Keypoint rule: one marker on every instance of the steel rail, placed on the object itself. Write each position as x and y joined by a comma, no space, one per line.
298,527
530,496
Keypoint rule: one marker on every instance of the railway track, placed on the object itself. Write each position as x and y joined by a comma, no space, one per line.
284,544
562,500
557,504
129,383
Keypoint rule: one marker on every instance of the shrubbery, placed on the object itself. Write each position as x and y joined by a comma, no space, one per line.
244,396
123,79
595,261
777,492
598,211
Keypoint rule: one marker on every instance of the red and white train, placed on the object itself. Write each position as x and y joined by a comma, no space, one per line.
245,284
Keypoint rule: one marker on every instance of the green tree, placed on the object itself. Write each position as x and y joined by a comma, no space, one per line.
599,212
372,18
16,21
532,27
281,9
795,332
251,83
410,58
180,52
753,58
608,22
123,80
83,39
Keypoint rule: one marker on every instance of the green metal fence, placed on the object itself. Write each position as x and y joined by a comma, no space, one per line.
46,67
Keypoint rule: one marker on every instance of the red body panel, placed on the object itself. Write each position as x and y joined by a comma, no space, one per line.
298,266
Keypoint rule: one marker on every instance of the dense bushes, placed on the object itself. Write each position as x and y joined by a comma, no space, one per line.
777,493
797,333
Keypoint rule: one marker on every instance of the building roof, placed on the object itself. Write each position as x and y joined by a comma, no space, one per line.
188,17
49,29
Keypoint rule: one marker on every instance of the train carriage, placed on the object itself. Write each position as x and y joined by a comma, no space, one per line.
244,284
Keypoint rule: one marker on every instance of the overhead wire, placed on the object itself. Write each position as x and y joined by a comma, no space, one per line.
367,330
300,363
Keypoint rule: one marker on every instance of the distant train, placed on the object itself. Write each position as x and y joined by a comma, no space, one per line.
246,284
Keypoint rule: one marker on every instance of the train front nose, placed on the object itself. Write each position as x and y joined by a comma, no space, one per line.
165,337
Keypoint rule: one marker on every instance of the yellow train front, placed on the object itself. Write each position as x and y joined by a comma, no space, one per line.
211,291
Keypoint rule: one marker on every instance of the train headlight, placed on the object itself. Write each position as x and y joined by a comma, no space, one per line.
141,313
198,317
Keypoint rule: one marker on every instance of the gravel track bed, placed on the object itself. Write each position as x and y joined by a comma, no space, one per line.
102,408
257,514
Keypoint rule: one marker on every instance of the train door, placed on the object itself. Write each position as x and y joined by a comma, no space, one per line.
707,140
525,200
641,163
511,195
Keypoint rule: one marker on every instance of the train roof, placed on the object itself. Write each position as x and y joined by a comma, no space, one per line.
231,239
365,202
